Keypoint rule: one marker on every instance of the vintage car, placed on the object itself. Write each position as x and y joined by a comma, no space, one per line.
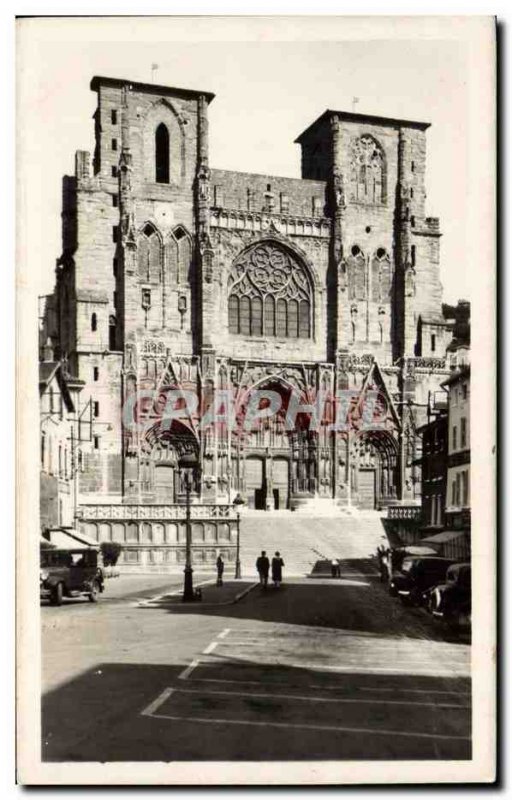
70,573
417,575
451,600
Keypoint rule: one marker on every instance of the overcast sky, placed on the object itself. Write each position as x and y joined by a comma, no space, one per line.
268,87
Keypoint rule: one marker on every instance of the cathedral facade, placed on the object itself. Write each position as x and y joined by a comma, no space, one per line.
177,275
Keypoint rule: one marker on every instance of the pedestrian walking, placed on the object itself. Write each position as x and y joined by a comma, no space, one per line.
220,570
263,566
277,569
334,567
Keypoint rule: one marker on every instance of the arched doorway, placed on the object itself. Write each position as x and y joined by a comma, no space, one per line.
169,458
374,469
276,460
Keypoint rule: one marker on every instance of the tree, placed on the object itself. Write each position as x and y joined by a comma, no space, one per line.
110,552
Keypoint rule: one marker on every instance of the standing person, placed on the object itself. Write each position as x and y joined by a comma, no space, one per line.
220,569
277,569
263,566
334,568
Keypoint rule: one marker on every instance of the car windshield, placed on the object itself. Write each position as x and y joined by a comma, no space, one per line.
407,565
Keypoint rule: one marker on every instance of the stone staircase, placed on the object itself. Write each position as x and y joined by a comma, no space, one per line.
304,539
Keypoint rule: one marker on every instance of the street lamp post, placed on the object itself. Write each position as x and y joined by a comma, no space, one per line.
237,502
188,588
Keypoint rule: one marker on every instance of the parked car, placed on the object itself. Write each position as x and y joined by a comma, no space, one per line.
417,575
451,600
70,573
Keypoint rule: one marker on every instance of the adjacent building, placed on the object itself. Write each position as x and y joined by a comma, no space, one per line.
59,452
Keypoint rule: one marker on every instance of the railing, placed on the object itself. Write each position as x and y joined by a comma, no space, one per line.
135,511
404,512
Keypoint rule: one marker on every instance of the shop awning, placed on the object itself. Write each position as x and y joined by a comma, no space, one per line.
443,537
69,538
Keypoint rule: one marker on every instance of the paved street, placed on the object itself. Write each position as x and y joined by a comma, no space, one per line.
319,669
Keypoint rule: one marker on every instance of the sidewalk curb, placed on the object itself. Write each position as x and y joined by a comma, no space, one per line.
199,604
236,599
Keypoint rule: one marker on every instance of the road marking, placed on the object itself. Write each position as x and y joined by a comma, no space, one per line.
304,726
184,675
224,633
160,700
211,647
308,698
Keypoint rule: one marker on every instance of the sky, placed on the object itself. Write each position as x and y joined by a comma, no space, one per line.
270,84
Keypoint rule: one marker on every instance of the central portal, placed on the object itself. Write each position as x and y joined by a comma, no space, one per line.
267,482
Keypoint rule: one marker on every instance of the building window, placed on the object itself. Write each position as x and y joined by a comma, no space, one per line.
412,166
457,490
412,192
454,437
60,461
356,273
270,294
433,342
162,154
150,255
94,322
96,442
112,333
114,267
465,488
114,172
368,171
113,116
464,391
96,408
114,144
114,200
413,255
95,373
115,233
413,222
43,443
179,251
463,432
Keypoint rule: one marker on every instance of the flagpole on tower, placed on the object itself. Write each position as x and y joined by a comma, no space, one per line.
154,68
355,101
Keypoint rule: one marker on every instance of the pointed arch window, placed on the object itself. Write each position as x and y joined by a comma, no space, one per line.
274,293
356,274
179,255
162,154
380,276
368,171
150,255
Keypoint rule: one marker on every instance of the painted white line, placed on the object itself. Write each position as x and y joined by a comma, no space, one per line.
183,676
224,633
211,647
303,726
150,710
308,698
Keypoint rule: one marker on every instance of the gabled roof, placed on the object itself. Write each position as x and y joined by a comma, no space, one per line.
48,370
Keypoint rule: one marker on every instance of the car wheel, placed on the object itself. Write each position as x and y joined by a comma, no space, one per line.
95,589
57,595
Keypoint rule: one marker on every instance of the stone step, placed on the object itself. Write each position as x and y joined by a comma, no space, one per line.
304,539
